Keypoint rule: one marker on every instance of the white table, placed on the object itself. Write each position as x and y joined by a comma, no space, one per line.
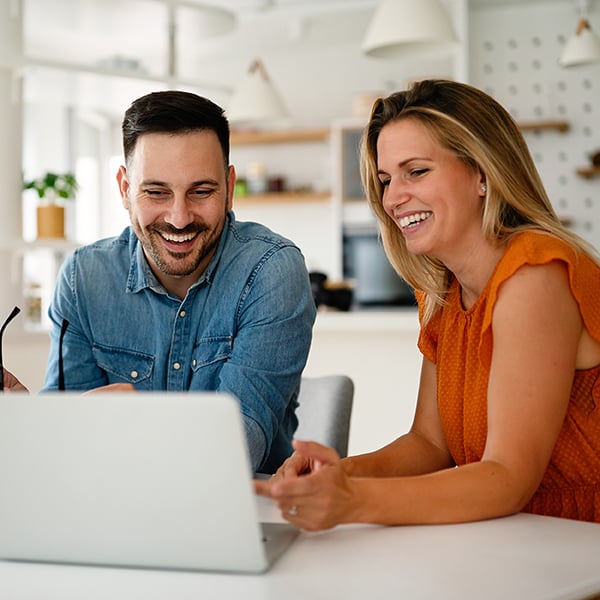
519,557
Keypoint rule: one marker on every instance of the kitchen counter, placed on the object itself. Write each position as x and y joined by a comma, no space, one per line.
377,348
369,320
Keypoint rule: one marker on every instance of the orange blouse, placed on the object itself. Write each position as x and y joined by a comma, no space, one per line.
460,343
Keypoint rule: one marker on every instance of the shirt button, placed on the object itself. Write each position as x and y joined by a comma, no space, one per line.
134,374
182,314
194,363
176,366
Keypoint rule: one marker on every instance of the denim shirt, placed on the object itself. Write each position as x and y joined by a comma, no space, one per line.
245,328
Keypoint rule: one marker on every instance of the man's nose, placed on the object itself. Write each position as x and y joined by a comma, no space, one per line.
179,213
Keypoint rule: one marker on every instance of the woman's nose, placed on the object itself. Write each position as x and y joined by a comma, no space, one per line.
395,195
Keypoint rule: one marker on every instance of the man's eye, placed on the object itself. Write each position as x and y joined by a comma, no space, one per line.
202,192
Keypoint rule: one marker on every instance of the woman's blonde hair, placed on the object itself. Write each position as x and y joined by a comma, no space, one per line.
481,133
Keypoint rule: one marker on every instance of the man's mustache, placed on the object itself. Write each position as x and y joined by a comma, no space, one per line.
192,228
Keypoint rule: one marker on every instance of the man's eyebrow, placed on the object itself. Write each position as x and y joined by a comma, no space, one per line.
152,182
199,182
205,182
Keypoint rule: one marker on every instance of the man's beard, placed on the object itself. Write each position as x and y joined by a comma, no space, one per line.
172,263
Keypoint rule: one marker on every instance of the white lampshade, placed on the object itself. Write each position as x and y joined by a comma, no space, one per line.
401,25
583,47
204,20
256,99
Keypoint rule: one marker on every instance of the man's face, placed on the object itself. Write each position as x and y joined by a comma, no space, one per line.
177,190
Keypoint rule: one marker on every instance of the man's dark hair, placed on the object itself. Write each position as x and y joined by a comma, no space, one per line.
173,111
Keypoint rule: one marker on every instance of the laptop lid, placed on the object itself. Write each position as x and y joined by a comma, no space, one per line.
132,479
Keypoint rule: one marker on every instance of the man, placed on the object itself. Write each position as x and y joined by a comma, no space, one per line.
186,298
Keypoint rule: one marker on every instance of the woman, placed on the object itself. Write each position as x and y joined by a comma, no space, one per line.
508,409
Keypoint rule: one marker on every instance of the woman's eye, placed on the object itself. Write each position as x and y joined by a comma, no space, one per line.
418,172
384,182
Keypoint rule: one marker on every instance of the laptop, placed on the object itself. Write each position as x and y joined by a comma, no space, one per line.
148,479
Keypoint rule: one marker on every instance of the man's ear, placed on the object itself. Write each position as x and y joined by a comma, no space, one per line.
123,183
231,177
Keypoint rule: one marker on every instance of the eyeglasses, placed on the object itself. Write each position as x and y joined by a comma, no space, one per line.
15,311
61,369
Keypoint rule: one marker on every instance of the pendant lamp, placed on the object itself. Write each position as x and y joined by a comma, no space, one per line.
584,45
256,99
398,26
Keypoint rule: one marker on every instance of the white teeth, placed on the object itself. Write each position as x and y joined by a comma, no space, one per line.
170,237
413,219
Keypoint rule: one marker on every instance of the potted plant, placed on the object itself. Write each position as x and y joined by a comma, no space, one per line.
51,188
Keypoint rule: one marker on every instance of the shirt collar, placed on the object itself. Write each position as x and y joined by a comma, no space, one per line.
141,276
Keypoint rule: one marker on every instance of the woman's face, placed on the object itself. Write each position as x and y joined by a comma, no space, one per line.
434,198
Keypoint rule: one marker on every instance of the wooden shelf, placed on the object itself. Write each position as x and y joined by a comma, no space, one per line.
589,172
566,221
244,138
561,126
282,198
55,245
287,136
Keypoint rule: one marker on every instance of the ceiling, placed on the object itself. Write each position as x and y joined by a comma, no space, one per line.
132,38
134,34
99,28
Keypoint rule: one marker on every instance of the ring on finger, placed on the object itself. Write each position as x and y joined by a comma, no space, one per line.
293,510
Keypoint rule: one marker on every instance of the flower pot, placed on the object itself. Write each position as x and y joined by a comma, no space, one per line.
51,221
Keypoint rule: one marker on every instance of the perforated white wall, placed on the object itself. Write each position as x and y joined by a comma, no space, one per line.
514,51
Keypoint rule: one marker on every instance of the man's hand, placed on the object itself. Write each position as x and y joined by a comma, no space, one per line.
12,384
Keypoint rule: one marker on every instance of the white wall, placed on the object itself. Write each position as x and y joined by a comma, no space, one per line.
514,57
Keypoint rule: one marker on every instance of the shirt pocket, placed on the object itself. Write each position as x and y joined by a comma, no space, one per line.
211,351
124,365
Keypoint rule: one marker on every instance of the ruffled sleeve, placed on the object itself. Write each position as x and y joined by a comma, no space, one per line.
428,335
537,248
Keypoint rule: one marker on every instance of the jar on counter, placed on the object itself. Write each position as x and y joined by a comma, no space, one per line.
256,178
32,296
241,187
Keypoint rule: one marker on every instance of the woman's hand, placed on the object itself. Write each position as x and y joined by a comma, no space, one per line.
297,464
311,488
12,384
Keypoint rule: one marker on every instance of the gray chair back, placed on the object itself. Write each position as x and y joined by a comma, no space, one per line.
325,407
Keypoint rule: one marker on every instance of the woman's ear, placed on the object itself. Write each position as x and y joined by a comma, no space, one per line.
482,185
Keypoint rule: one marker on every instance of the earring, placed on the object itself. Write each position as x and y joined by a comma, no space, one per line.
483,188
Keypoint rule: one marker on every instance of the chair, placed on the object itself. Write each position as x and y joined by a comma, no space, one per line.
325,407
